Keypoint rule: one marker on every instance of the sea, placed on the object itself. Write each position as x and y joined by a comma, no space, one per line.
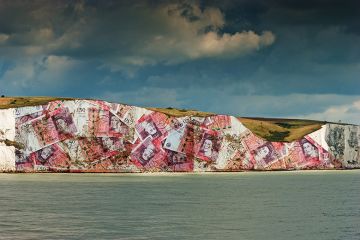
247,205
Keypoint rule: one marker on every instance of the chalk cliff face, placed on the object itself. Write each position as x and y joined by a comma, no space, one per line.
97,136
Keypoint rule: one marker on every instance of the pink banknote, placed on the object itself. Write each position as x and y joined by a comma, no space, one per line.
122,110
23,162
27,118
265,155
119,129
126,114
102,104
98,121
149,155
324,156
209,146
54,105
251,140
51,158
233,156
179,162
181,141
64,123
45,129
153,125
92,148
217,122
98,148
302,154
23,111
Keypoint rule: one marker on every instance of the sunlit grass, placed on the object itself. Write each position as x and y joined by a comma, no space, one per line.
15,102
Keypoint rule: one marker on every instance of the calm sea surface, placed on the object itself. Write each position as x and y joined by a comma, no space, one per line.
273,205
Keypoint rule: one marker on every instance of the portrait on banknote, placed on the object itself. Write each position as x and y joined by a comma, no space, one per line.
119,129
51,158
145,151
64,124
209,146
309,150
305,154
146,127
43,155
149,155
264,155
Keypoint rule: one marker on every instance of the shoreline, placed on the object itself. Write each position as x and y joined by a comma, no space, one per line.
183,173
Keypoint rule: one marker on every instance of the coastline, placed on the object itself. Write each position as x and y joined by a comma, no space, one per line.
317,171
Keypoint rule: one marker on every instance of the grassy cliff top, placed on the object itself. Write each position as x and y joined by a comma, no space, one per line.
181,112
15,102
281,130
272,129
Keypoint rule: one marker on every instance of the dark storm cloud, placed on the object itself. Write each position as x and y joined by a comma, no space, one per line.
183,53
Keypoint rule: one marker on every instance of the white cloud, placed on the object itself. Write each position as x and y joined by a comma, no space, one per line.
325,107
195,35
347,113
176,33
46,71
144,34
3,38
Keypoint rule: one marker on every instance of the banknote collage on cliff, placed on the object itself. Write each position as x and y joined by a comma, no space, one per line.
97,136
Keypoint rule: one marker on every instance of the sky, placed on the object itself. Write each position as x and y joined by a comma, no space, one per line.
270,58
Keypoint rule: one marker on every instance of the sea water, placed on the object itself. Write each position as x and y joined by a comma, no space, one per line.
252,205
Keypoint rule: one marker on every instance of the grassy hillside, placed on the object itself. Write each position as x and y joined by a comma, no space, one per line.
272,129
281,130
14,102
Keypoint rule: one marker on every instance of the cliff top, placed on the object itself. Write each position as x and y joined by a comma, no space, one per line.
271,129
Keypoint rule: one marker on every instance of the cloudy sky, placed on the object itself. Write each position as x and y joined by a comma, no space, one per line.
272,58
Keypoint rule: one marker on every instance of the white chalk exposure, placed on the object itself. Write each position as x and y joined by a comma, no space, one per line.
7,132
